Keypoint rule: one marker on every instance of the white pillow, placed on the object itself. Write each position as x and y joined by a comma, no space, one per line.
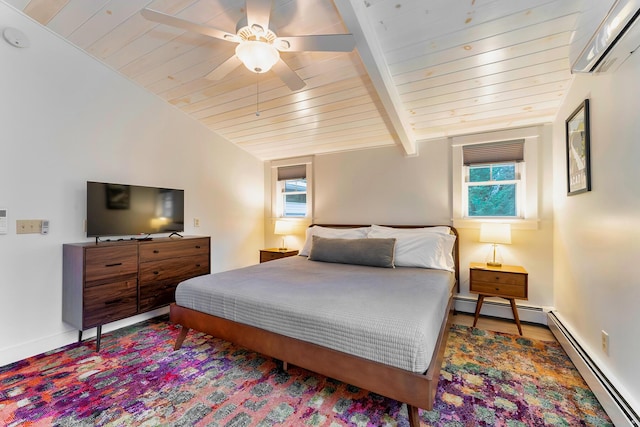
332,233
424,250
438,229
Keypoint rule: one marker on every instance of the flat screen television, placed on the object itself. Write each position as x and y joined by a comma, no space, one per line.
131,210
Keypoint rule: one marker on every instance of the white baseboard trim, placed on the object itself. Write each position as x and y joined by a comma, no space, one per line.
497,307
616,406
41,345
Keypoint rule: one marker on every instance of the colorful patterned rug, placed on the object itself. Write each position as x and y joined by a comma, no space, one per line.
488,379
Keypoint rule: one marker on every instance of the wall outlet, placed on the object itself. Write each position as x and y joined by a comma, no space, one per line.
196,222
605,342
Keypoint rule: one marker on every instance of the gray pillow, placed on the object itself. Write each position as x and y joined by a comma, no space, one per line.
371,252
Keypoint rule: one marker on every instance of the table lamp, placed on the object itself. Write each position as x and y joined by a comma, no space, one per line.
283,228
495,233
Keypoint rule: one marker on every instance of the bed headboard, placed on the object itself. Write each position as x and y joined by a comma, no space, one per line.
453,231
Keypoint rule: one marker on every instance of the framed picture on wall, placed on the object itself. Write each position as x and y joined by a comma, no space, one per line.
578,150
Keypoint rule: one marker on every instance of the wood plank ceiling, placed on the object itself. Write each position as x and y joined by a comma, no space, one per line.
422,69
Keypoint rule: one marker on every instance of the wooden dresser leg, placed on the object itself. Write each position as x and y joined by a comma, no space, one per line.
98,337
414,418
515,314
478,308
181,336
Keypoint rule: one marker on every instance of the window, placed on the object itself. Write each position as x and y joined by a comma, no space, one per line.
492,190
492,179
291,188
489,168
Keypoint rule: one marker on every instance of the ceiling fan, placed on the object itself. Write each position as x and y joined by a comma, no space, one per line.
259,47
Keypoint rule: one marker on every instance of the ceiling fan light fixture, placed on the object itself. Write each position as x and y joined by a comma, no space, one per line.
258,56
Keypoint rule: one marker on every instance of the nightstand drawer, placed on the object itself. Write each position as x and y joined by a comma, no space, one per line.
271,254
499,289
498,277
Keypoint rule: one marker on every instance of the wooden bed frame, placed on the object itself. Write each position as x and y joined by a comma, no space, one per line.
415,389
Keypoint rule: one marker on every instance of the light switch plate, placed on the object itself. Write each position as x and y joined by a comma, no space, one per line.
4,221
28,226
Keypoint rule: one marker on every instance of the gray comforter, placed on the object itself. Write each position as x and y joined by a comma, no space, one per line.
389,315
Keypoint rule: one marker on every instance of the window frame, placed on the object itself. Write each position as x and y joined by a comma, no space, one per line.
277,196
530,176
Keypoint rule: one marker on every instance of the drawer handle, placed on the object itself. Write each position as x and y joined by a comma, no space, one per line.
113,265
113,301
197,265
156,272
155,251
497,277
197,246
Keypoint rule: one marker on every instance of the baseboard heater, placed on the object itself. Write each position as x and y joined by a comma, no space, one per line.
618,409
501,309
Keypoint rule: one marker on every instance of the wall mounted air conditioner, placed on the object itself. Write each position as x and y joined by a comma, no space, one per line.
615,39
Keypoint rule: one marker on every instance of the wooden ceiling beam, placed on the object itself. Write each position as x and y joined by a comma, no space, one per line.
354,14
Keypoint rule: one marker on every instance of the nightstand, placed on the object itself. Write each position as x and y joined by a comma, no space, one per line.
508,281
275,253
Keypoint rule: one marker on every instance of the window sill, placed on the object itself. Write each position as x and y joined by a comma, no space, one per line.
516,224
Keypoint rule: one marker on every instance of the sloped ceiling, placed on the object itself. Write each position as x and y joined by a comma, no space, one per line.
422,69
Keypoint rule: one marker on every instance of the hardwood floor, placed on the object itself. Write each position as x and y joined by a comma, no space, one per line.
538,332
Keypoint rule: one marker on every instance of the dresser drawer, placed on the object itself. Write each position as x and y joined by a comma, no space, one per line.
159,279
110,302
165,250
110,262
174,270
157,296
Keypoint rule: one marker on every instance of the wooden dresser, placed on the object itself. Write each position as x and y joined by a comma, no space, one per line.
109,281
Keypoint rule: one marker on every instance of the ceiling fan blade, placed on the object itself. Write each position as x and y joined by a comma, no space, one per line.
258,12
318,43
288,76
225,68
163,18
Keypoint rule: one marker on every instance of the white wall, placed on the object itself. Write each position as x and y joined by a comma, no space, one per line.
383,186
66,119
597,234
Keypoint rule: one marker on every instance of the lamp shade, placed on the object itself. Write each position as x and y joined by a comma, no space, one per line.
258,56
283,228
492,232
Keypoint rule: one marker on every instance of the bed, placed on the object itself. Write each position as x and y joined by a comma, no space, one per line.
336,311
